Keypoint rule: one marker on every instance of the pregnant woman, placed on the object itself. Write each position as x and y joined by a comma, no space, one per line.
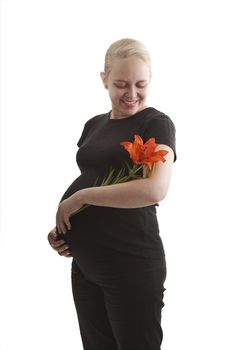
118,258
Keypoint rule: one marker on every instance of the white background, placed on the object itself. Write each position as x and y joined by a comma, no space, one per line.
51,54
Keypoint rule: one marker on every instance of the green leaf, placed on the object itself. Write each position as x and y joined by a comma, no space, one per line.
107,180
120,177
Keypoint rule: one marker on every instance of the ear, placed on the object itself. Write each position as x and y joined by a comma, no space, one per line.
104,78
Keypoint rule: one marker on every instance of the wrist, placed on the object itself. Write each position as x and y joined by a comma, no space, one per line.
79,197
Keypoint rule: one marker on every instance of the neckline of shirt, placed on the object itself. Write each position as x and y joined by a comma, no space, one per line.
133,116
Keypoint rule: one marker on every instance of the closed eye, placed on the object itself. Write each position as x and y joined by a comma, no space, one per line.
141,86
124,86
120,86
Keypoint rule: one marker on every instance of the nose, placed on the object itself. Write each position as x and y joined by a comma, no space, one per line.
132,92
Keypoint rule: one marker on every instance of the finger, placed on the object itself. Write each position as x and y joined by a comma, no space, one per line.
67,221
63,227
60,223
58,219
55,241
54,232
66,252
63,248
58,244
51,237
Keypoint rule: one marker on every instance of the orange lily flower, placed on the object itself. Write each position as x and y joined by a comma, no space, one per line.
144,153
140,153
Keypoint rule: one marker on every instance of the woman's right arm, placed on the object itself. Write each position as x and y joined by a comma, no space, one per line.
60,246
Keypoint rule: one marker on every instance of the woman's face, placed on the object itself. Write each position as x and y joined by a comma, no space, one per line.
127,83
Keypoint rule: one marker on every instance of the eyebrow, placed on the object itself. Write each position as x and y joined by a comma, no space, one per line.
124,81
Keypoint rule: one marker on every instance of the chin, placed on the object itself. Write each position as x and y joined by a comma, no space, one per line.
130,110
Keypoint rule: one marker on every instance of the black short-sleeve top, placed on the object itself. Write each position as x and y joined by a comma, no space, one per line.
135,229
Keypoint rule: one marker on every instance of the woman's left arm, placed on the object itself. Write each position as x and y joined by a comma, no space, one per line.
132,194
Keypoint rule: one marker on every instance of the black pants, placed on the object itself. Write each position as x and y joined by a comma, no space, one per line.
123,312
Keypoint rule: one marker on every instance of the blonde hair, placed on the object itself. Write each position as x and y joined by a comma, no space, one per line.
124,48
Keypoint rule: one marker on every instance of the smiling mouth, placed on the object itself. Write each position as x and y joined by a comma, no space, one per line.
130,103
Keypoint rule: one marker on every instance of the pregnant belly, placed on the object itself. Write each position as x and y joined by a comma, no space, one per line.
101,261
85,180
83,235
77,184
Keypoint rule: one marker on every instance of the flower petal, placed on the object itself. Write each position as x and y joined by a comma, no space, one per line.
138,139
126,144
144,153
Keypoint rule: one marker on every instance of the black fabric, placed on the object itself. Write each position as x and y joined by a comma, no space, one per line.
134,231
120,312
116,248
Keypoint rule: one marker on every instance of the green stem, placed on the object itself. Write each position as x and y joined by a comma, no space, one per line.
109,180
139,168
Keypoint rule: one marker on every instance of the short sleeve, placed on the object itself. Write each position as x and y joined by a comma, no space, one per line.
84,133
163,130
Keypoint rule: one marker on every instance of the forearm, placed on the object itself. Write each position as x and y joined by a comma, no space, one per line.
131,194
